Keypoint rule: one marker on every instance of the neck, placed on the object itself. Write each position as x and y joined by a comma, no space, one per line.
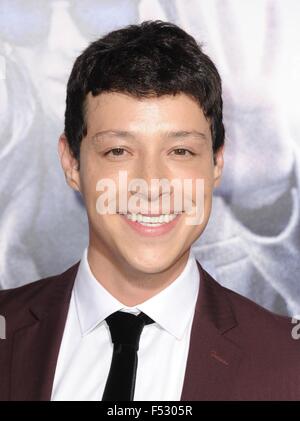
127,284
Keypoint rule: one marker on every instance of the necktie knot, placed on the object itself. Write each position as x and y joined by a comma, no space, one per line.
126,328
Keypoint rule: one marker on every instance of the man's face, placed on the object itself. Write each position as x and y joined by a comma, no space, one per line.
154,138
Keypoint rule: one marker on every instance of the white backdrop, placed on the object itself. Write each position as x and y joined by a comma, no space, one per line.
251,244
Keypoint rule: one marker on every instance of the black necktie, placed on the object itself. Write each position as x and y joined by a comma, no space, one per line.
125,329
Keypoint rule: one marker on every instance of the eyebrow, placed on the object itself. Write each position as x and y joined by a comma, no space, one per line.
113,133
169,134
185,133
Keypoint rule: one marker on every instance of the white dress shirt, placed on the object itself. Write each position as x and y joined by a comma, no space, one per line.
86,349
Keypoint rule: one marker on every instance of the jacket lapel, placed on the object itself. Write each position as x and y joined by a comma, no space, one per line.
36,344
213,359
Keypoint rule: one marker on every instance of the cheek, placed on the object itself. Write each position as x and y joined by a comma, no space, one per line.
201,180
88,180
201,167
88,184
90,173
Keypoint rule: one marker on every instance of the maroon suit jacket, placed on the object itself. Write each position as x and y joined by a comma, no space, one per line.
238,350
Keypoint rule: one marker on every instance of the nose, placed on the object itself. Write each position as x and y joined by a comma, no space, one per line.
63,34
152,171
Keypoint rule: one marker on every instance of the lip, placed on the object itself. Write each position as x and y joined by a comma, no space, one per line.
154,214
152,231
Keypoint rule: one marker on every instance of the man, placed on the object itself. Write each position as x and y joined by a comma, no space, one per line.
138,318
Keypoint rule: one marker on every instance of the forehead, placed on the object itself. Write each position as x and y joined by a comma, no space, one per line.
115,110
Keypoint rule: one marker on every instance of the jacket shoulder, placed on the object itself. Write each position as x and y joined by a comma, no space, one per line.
247,308
264,332
14,299
257,329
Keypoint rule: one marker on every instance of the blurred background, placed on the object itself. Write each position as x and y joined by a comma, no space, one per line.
251,244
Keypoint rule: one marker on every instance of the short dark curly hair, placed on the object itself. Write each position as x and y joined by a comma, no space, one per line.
153,58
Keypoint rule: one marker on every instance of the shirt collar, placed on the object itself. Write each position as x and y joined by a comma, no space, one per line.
171,308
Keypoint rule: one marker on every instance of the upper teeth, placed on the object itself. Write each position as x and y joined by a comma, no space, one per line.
161,219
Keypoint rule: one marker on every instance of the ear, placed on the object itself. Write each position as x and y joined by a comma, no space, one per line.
218,165
69,163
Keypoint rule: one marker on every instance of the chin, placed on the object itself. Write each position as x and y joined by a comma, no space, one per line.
148,262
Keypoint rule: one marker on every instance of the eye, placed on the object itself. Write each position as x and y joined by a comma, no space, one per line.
115,152
183,152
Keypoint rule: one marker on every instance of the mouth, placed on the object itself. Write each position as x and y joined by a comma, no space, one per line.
152,224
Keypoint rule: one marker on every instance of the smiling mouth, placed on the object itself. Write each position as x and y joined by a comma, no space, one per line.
151,220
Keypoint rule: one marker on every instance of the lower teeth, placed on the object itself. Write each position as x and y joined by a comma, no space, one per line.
150,225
